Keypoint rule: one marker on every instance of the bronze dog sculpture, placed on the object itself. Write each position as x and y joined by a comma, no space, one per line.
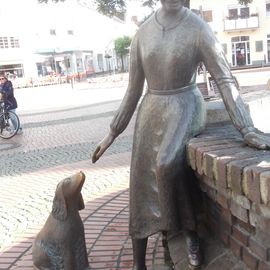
60,245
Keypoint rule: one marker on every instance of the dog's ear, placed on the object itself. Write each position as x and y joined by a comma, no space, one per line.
59,209
81,202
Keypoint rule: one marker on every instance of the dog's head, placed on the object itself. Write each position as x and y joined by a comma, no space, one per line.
68,196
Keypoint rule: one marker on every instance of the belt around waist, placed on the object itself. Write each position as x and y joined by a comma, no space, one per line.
172,91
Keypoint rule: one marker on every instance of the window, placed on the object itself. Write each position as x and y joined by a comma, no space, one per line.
238,12
267,7
70,32
224,47
3,42
240,51
52,32
14,42
268,48
244,12
207,15
233,13
240,38
100,61
259,46
9,42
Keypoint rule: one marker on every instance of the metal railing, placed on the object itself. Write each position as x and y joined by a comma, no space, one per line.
241,23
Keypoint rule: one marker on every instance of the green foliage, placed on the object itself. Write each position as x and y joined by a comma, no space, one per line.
112,7
152,3
109,8
118,7
121,45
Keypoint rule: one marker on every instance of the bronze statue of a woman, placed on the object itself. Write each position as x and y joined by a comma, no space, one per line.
166,52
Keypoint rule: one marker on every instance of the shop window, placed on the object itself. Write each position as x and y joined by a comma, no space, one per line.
241,51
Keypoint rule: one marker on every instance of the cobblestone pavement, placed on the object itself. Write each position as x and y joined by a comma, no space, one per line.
57,143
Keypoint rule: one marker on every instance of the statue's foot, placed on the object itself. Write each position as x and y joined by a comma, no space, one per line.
195,258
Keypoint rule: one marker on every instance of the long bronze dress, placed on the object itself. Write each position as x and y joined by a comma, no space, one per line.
168,116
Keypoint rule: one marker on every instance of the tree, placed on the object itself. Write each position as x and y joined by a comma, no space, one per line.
152,3
118,7
121,47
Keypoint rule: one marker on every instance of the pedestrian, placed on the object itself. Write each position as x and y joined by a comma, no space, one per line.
166,52
6,88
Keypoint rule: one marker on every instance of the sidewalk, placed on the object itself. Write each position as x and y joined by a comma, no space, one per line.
57,142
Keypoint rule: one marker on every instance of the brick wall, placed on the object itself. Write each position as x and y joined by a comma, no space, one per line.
235,180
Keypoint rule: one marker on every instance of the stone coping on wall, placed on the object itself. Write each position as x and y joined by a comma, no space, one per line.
236,181
257,100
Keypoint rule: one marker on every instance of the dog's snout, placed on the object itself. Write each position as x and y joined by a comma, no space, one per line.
79,179
82,175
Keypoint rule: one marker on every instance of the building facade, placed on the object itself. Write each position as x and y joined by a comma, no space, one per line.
66,38
243,31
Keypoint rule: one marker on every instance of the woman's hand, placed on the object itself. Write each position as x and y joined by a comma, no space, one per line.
102,147
258,140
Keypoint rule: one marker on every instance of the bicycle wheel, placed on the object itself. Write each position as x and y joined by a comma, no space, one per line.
9,125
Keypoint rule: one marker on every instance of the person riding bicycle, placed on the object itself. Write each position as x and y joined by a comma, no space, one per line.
6,89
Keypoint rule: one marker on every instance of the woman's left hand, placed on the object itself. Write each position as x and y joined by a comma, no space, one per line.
258,140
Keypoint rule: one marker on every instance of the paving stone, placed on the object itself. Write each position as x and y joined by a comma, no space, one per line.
55,144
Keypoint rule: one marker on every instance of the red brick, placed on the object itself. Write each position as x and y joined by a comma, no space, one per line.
241,235
236,247
251,184
265,187
221,163
221,167
264,266
222,200
234,176
241,200
250,259
239,212
212,193
225,238
236,168
4,265
260,222
258,249
212,146
244,225
226,216
214,152
193,145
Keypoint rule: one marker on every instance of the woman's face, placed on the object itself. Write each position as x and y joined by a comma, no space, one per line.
172,5
2,80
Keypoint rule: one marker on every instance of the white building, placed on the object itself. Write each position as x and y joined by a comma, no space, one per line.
244,31
69,38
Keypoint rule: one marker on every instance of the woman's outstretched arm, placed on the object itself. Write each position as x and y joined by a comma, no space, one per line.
129,102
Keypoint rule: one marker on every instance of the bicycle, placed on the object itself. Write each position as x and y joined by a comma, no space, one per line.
9,121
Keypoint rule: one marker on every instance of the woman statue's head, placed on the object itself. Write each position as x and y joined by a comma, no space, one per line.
172,6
